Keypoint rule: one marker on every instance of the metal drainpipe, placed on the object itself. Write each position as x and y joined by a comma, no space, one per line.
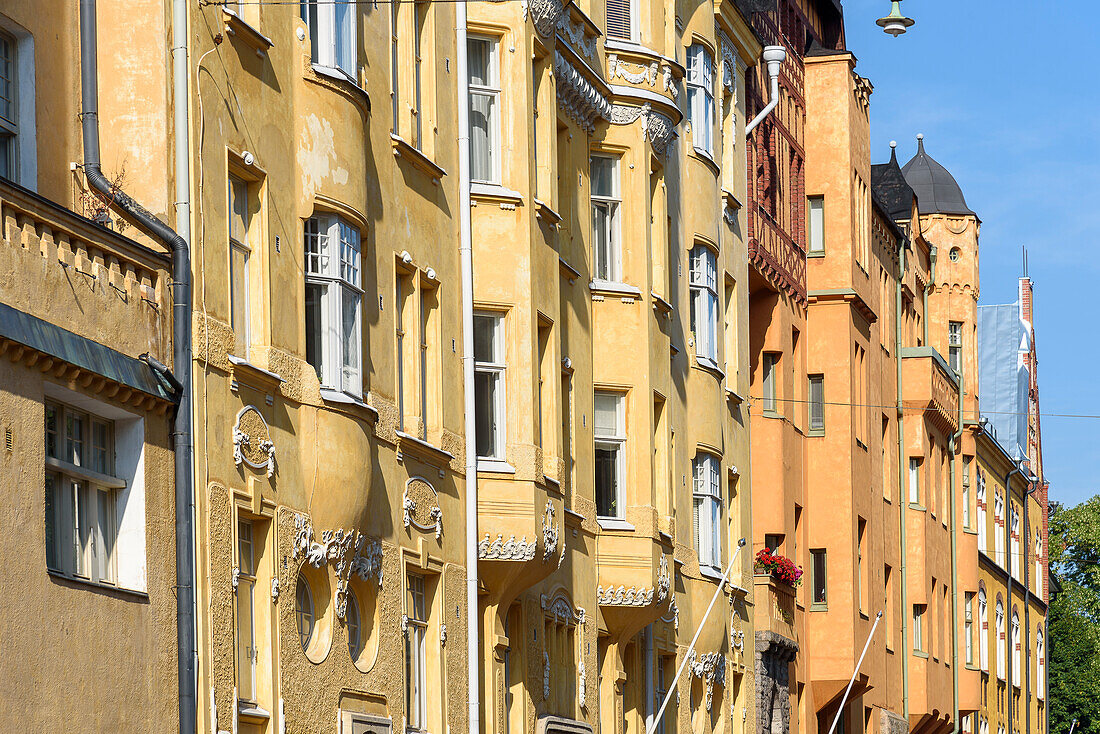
903,495
956,442
1008,590
177,243
466,256
1025,637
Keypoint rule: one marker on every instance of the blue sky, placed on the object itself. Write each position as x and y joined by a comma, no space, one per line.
1005,94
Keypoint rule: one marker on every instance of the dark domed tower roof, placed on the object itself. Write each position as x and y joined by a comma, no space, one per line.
936,189
890,189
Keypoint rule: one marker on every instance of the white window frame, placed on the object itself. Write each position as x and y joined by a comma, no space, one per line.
983,631
333,263
334,41
954,345
919,610
916,463
492,92
82,496
823,554
998,534
979,500
1040,666
704,303
815,222
1014,550
816,396
21,127
606,266
700,89
240,253
706,509
495,369
770,403
1002,658
416,661
632,29
968,626
247,654
1016,656
614,441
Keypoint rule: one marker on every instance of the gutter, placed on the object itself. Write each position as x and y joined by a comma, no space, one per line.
1008,591
954,447
1025,637
903,493
175,241
466,256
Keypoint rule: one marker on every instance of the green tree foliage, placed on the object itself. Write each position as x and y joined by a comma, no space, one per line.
1074,618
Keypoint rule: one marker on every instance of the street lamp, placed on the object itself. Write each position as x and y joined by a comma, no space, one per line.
895,23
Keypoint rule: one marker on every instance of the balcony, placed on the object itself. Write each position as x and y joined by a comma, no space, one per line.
928,385
775,607
634,578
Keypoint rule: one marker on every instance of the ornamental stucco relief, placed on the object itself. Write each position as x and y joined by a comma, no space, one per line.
421,506
577,97
549,16
506,550
349,551
252,443
711,668
658,127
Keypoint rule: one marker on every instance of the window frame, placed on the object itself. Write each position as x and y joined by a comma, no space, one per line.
243,249
497,369
333,43
769,365
611,203
699,79
416,659
302,614
336,268
916,464
816,555
816,402
703,288
246,588
706,509
815,225
615,442
632,30
9,125
493,92
76,495
919,610
954,345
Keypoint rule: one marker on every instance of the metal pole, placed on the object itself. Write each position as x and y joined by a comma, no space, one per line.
859,664
672,686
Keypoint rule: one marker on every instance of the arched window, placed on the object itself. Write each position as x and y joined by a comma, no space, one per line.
1014,563
1040,665
303,612
1038,567
999,528
983,630
1001,658
980,495
1015,648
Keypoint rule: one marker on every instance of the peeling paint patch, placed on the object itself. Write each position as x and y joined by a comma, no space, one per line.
316,148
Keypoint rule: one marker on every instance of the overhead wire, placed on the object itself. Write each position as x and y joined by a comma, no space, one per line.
760,398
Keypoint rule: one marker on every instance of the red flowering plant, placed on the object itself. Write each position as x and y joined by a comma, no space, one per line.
778,567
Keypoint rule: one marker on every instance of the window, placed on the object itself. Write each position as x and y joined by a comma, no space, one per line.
1040,666
817,404
888,607
954,345
332,35
604,172
707,510
82,494
303,611
770,363
704,303
395,77
609,429
818,577
1016,649
416,663
489,386
983,631
620,20
333,297
998,528
914,480
979,499
968,626
1014,550
862,582
420,21
918,630
484,109
9,122
700,88
1038,567
1001,657
967,461
662,691
246,610
239,250
355,626
403,289
429,351
816,224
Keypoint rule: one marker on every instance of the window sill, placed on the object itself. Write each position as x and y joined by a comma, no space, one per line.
569,271
734,396
253,376
103,480
815,434
730,199
252,713
660,304
706,158
609,288
614,523
709,365
496,194
137,594
709,572
819,607
920,654
341,81
495,466
771,414
238,27
545,211
407,443
403,149
917,506
335,396
816,253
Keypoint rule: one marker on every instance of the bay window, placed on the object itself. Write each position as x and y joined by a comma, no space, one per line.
332,35
700,89
333,303
609,429
706,513
704,304
484,88
606,254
